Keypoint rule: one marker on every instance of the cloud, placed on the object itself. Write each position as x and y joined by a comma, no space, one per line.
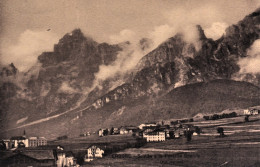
123,36
126,60
30,45
216,30
181,20
251,63
185,21
161,33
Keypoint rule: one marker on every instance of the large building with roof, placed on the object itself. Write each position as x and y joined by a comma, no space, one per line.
155,136
37,141
25,158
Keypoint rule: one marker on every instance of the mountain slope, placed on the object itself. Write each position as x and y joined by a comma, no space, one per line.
64,81
59,80
185,101
176,62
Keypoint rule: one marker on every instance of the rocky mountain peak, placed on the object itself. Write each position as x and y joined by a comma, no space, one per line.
9,70
202,35
72,46
76,36
73,40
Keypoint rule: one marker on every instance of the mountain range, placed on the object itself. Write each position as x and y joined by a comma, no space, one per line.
61,95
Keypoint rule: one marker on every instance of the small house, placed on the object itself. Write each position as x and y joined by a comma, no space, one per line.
145,125
123,130
254,111
100,132
103,132
131,129
94,152
127,129
116,131
65,158
70,159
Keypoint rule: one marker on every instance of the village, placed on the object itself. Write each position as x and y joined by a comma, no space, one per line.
90,146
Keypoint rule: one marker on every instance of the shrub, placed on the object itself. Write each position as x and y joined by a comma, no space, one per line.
206,117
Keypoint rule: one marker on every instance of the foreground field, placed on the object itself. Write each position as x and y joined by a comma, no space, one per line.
240,147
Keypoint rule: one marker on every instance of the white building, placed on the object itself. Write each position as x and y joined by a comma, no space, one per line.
123,130
37,141
61,158
93,152
251,111
65,158
70,160
100,132
154,136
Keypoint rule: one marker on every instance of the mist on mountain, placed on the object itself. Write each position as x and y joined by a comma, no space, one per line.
98,79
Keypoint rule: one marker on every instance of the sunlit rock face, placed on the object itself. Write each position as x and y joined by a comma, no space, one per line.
175,62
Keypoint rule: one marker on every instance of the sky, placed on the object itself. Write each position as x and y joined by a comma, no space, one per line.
29,27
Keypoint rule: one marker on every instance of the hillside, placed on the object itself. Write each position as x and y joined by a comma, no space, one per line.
188,100
185,101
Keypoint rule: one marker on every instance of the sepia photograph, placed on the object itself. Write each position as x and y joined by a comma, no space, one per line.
130,83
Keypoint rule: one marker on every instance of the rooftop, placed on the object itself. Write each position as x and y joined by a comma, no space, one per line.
17,138
39,154
35,154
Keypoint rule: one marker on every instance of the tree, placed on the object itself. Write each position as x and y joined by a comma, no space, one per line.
247,118
105,132
215,116
80,158
197,130
189,134
220,130
206,117
112,131
171,134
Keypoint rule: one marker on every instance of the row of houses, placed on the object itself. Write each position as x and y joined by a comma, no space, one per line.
43,156
116,131
23,141
246,112
152,132
49,156
252,111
